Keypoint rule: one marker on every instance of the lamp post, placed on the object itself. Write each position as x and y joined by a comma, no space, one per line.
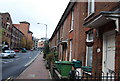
46,29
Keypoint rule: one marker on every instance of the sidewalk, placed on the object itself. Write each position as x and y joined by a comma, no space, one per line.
36,71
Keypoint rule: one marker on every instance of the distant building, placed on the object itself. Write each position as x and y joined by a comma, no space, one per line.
16,38
11,36
35,43
24,27
6,30
41,43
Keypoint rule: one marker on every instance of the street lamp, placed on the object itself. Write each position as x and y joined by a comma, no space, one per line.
46,29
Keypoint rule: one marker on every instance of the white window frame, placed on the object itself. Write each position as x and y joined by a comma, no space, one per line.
87,55
87,48
66,54
72,20
91,7
88,34
8,25
70,56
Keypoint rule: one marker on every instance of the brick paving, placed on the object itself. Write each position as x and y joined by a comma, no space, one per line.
36,71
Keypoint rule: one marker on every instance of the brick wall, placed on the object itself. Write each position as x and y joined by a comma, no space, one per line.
30,36
98,41
24,27
101,6
117,57
6,18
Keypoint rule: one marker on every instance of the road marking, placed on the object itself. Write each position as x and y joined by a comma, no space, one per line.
17,59
7,61
9,79
32,60
26,68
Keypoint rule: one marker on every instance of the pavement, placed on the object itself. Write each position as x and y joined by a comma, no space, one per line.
36,71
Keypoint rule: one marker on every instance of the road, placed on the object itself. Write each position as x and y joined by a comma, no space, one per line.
13,67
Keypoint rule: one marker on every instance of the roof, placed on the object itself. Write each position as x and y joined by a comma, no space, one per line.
5,13
25,22
30,32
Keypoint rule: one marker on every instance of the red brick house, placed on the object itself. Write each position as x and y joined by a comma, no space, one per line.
89,32
103,20
69,36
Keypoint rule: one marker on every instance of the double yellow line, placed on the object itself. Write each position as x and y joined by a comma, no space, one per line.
9,79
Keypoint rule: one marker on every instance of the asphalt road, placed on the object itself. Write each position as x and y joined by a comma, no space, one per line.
13,67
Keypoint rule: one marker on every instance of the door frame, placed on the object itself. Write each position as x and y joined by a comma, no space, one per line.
104,70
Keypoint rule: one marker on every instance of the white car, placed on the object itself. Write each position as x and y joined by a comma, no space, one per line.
8,54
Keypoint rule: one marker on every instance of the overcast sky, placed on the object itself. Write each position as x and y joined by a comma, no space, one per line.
35,11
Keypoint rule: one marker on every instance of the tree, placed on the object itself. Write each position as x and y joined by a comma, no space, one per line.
23,42
46,48
29,45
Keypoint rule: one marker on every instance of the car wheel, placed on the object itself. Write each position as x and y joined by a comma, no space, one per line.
13,56
8,56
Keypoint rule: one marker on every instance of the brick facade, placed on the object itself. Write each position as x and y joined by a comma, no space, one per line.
11,36
24,28
99,23
98,40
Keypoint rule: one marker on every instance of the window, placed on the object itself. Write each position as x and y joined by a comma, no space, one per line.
89,51
70,56
7,18
91,7
90,36
89,56
72,20
7,25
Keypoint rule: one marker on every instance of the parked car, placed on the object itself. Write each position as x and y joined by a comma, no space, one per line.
8,54
23,50
16,50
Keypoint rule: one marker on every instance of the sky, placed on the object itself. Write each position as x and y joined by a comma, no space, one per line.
46,12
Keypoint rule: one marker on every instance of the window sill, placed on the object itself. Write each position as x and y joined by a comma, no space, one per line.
88,16
70,30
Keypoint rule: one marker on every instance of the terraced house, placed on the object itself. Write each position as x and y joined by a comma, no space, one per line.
104,21
89,32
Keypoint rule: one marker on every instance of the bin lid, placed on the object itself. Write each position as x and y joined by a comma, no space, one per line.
66,62
57,62
63,62
86,68
78,61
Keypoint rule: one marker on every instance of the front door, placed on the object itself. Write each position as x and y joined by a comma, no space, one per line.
109,52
